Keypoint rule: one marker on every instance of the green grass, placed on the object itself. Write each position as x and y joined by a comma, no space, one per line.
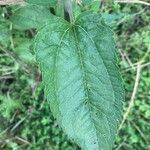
26,121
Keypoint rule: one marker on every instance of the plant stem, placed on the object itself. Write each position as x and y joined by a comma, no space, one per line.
68,10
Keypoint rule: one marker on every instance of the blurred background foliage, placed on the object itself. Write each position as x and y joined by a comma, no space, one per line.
26,122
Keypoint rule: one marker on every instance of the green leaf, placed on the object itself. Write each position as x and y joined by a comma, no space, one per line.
82,82
95,6
42,2
23,51
4,33
30,16
86,2
112,19
7,106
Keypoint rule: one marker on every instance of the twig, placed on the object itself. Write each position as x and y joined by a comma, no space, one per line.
18,123
129,16
121,144
6,77
22,140
8,53
17,61
133,1
3,132
138,74
136,66
11,2
146,54
125,56
140,132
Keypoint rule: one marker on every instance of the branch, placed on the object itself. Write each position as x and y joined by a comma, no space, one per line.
133,1
131,104
11,2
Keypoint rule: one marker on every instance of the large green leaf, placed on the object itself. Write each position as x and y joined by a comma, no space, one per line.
82,82
30,16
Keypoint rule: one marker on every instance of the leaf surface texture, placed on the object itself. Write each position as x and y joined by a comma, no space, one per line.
30,16
82,82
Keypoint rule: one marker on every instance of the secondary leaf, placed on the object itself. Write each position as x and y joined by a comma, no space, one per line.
23,51
4,33
7,106
81,78
86,2
112,19
30,16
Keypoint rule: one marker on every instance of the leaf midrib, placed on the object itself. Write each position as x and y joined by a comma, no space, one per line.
114,95
101,58
84,80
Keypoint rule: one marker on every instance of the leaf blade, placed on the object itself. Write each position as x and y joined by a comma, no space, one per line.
30,16
77,82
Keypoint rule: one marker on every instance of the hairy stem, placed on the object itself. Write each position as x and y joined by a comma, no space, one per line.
68,11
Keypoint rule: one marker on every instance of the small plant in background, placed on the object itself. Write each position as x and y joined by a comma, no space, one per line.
76,52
